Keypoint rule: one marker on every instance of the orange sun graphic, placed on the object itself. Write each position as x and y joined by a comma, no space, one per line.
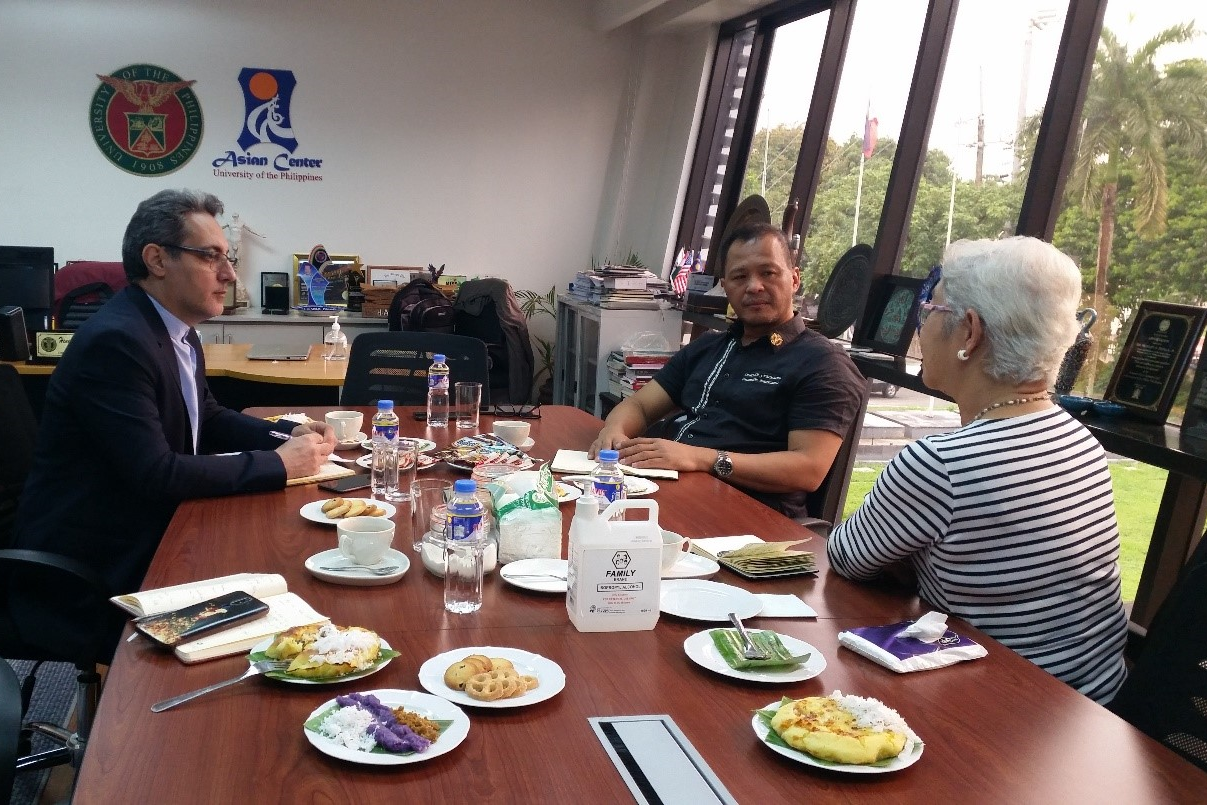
263,86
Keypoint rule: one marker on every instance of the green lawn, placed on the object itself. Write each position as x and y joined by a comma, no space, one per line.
1138,489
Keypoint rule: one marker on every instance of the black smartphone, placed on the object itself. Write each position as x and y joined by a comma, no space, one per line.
170,629
346,484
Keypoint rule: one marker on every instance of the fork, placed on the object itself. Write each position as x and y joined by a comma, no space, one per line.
256,668
750,651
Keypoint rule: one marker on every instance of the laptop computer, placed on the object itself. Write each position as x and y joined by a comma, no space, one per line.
277,352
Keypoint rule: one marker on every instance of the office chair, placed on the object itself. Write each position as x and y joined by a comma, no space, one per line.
393,366
61,577
10,728
1165,694
487,309
82,287
829,499
18,430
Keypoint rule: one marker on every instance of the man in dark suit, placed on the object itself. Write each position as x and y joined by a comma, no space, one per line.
129,427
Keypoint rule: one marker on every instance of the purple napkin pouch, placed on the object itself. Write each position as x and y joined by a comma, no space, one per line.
882,645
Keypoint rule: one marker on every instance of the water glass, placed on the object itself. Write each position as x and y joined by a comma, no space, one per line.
383,477
408,464
467,398
427,495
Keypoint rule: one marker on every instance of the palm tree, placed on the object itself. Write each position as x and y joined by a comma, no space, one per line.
1134,109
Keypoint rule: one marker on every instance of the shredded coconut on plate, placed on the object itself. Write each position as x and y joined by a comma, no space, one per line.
338,646
348,726
873,714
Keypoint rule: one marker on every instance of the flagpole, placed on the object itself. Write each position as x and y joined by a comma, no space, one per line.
858,198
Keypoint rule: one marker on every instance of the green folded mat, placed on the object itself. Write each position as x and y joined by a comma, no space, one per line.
729,645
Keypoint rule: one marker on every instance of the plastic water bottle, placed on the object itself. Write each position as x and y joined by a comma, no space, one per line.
607,481
437,393
335,345
465,539
385,422
383,474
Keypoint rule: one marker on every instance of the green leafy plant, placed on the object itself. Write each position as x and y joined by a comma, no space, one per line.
534,304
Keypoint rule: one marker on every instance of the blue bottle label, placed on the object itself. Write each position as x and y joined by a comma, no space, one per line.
435,381
463,526
610,490
387,432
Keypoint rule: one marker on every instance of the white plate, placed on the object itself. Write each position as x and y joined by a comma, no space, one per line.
294,680
566,492
353,441
634,487
908,757
707,600
425,462
703,652
525,445
515,573
691,566
432,707
425,445
357,577
313,511
550,674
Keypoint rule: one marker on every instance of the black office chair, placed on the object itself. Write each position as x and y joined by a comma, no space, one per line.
18,431
1165,694
10,728
487,309
63,578
827,501
393,366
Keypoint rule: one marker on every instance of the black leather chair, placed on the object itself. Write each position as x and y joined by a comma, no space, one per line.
1165,694
10,728
18,431
487,309
63,578
393,366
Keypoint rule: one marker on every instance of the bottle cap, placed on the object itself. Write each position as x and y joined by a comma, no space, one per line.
465,487
609,455
437,358
385,405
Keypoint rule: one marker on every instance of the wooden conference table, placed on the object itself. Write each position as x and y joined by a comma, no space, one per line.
997,729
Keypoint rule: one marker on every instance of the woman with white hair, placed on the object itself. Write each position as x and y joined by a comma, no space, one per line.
1008,522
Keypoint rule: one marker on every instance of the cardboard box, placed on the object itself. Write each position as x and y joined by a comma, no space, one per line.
377,301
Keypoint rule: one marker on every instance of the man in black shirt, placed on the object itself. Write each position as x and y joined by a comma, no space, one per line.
764,405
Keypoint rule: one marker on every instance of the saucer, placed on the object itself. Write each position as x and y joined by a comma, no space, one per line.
526,574
356,578
352,441
525,445
691,566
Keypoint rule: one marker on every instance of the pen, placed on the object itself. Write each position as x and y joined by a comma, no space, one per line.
276,434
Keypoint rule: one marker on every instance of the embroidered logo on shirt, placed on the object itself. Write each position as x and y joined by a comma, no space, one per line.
776,339
759,377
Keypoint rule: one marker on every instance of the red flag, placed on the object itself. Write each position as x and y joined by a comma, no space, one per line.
870,125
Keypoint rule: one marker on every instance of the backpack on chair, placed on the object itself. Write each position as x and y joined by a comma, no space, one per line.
419,306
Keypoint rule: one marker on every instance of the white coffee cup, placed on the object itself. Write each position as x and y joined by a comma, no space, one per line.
673,547
365,540
346,424
512,431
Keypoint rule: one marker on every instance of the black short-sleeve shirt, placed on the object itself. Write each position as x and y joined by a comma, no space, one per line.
747,398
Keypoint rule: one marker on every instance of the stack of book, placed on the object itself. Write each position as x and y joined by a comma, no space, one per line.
629,371
618,288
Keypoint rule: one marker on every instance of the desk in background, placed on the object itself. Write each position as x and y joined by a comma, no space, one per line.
999,726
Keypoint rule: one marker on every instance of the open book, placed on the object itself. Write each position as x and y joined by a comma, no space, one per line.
285,611
575,462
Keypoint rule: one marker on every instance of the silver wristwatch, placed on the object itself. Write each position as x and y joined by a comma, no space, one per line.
723,466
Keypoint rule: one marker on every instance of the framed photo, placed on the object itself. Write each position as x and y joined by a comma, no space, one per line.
890,318
1194,421
1154,358
336,274
393,275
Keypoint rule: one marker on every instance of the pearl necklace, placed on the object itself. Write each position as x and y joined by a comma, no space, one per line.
1004,403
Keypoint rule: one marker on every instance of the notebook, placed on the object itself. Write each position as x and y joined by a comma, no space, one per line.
277,352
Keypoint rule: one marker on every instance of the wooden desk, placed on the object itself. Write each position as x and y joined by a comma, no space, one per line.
996,730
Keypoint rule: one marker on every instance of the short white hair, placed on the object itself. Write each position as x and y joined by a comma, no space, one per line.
1026,292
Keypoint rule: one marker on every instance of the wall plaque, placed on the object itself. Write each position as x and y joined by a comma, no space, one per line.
1154,358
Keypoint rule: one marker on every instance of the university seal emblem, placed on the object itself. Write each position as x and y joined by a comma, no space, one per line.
145,119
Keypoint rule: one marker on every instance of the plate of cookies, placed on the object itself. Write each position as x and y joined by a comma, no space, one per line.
492,676
332,510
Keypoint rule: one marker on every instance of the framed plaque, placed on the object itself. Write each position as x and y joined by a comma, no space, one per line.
890,319
336,274
1154,358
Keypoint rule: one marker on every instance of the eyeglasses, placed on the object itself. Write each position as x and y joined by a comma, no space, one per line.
526,411
926,308
212,257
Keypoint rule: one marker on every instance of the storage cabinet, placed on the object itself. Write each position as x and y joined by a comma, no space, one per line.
287,331
586,334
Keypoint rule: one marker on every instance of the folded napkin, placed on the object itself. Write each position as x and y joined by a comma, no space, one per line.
576,462
729,646
912,645
784,606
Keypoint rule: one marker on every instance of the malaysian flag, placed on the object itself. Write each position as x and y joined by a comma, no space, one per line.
870,126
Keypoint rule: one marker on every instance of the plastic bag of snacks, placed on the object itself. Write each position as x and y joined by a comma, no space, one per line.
529,521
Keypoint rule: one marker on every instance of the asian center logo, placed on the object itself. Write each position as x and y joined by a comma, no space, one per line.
266,98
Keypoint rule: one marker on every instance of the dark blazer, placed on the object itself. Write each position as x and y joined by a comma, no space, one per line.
114,455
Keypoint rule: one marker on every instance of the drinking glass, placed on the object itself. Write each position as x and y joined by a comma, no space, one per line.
426,495
468,397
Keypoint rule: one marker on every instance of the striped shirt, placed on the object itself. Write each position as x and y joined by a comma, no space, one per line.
1010,525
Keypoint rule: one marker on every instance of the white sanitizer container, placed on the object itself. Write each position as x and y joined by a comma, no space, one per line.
614,581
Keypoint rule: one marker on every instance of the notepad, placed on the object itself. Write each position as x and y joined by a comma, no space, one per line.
326,472
285,611
576,462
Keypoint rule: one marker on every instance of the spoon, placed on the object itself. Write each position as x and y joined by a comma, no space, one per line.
376,571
